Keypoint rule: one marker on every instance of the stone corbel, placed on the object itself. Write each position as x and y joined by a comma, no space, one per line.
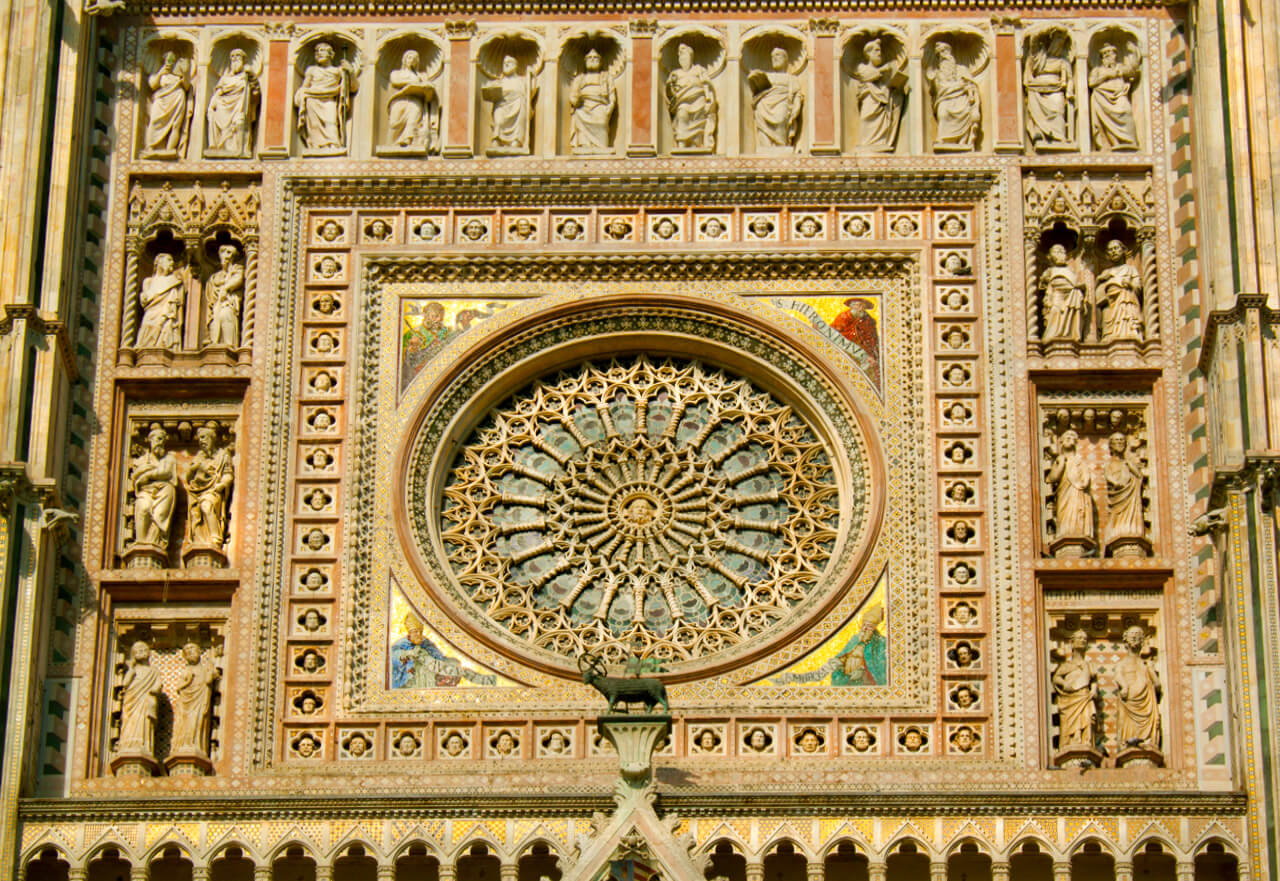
46,324
105,8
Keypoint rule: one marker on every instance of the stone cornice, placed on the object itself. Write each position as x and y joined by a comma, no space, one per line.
798,8
44,323
703,804
1220,317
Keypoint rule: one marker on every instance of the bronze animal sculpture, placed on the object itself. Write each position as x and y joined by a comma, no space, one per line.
622,690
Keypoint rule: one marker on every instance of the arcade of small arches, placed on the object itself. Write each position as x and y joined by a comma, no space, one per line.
905,859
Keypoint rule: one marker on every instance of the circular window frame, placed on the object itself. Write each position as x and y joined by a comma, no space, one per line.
637,321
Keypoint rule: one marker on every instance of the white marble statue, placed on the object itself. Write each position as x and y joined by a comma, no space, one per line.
323,102
881,90
777,103
169,110
154,479
223,293
163,302
956,105
510,95
208,478
1138,690
1048,83
413,111
593,101
232,113
1118,291
192,701
1126,525
1075,682
1062,296
139,698
1110,109
1071,484
691,102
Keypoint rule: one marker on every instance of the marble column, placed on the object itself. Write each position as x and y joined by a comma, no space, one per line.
459,130
642,140
824,105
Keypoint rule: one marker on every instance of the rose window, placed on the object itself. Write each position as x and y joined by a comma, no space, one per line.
666,507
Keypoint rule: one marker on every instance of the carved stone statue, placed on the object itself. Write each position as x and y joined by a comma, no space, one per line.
1110,110
139,698
593,100
323,102
511,120
1119,294
192,702
208,479
1047,79
1075,683
1126,527
1063,298
233,110
163,301
956,105
1070,483
1138,690
777,103
169,110
223,293
691,102
154,478
413,111
881,90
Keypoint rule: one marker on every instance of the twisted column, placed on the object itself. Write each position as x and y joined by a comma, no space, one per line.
1032,284
250,291
129,307
1150,285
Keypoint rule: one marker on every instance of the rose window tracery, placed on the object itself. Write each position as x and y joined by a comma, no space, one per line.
659,505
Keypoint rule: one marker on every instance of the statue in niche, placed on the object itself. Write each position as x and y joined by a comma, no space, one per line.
154,478
413,111
511,118
1126,527
1075,682
222,292
777,103
1071,483
1047,79
193,700
1138,689
880,90
169,109
1110,110
1063,298
139,702
956,106
208,479
593,101
691,102
1118,291
323,102
163,301
233,110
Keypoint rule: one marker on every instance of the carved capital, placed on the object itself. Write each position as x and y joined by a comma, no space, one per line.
824,27
643,27
1005,24
460,30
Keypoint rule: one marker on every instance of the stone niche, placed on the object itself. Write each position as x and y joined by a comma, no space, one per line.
691,91
774,91
166,691
1106,669
166,96
956,86
408,86
876,97
510,119
1096,477
592,100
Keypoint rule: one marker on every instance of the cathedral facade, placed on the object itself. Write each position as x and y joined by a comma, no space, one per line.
880,396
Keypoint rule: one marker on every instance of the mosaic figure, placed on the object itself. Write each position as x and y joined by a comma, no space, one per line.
856,324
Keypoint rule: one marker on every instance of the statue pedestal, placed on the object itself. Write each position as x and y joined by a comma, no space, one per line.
204,557
145,556
1078,757
134,765
1129,546
1139,757
634,737
188,765
1071,547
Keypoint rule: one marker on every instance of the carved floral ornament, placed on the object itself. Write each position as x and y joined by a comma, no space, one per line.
681,507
